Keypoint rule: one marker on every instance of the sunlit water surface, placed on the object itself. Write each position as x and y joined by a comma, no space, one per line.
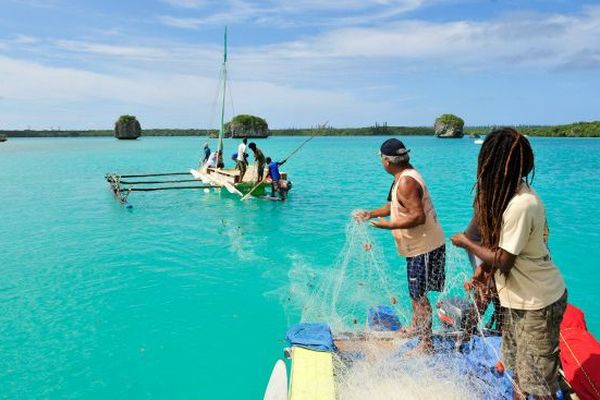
173,299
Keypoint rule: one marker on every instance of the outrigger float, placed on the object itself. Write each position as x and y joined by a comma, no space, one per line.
123,185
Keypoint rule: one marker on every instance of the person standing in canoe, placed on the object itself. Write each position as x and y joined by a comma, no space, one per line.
241,161
512,221
278,185
259,159
206,153
417,233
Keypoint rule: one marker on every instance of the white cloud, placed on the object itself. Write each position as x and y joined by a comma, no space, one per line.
134,52
35,82
185,98
543,41
322,77
534,41
37,3
346,5
187,3
24,39
300,12
183,23
108,32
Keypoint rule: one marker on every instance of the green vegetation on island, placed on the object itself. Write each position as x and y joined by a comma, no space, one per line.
450,119
579,129
247,125
376,130
449,126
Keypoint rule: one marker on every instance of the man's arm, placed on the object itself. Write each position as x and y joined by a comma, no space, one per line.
411,194
383,211
364,215
504,260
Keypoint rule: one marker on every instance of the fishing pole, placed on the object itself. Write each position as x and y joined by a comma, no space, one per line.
284,160
320,127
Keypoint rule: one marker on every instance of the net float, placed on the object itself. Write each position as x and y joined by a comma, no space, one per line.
500,367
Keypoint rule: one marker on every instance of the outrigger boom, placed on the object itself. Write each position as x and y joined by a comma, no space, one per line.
122,188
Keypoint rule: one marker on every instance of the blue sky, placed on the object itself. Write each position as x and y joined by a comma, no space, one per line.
298,63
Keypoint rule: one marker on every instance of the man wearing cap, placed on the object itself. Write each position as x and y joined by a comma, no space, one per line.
417,233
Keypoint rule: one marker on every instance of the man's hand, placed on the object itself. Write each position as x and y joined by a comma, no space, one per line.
460,240
381,223
479,280
361,215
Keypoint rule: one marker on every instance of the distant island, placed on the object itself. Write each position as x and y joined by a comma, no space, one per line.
578,129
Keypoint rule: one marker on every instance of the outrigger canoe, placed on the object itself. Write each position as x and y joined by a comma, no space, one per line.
320,362
230,180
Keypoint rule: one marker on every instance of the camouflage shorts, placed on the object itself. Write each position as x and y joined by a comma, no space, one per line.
530,346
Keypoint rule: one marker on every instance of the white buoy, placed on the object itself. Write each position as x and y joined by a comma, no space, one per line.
206,190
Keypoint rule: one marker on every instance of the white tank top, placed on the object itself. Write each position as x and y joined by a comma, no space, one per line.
421,239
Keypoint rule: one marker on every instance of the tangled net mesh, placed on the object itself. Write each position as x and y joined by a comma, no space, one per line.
378,365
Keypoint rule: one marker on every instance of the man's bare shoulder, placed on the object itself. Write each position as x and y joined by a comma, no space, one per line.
408,184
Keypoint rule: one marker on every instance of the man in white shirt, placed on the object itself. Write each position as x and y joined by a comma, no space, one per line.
213,160
240,161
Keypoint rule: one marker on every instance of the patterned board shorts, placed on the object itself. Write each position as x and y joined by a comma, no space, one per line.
530,346
426,272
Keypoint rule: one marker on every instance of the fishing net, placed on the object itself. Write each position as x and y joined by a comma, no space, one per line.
365,303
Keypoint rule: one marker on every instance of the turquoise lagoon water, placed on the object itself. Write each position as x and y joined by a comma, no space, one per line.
172,299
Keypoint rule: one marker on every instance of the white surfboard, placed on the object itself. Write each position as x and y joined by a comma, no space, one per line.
277,389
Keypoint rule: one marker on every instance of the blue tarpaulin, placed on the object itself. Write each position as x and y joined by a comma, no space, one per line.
383,318
312,336
475,362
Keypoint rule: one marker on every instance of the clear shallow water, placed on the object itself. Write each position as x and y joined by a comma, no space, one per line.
173,299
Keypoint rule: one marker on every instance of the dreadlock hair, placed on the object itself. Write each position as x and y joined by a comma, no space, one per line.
504,161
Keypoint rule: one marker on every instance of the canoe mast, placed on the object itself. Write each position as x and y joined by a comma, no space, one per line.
222,129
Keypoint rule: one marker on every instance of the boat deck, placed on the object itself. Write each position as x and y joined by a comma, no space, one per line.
232,175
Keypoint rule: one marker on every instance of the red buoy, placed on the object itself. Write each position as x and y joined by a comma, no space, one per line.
500,367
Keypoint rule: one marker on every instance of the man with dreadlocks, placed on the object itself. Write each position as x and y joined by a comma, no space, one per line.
512,220
417,233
